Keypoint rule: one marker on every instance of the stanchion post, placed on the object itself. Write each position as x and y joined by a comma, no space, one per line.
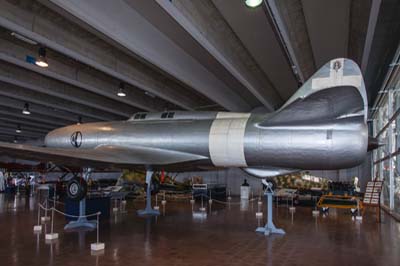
115,209
97,246
163,202
47,206
38,218
38,227
52,220
192,200
292,208
52,235
55,195
97,228
46,218
156,207
202,203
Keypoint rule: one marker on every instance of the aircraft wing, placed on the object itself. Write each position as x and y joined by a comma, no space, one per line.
102,156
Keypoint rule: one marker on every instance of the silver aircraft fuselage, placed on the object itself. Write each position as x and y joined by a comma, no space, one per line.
229,139
322,126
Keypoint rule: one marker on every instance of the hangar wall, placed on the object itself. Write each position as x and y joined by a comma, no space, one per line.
386,120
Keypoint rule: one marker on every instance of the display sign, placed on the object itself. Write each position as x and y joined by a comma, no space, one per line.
373,193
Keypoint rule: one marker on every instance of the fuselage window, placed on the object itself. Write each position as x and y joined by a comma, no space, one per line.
140,116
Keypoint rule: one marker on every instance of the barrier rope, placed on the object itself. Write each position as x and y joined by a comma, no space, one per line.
66,214
56,201
229,202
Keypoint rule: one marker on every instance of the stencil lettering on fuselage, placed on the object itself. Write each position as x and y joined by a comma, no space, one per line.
226,139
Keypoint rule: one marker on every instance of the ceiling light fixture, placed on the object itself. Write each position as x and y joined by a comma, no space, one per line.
15,139
253,3
121,90
26,110
42,60
18,130
79,120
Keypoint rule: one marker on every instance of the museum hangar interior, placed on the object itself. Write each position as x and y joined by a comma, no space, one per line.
213,132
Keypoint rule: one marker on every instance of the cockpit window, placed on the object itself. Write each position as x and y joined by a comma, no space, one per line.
167,115
140,116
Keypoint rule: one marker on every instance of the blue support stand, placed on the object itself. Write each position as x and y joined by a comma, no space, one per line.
148,211
269,227
82,222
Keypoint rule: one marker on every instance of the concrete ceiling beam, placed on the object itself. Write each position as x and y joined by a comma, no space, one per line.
291,22
26,122
12,74
24,133
11,125
328,28
218,39
78,76
96,54
373,19
258,34
149,44
52,102
10,138
17,113
43,110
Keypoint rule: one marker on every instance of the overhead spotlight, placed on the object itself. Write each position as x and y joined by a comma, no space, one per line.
18,130
121,90
42,60
79,120
26,110
15,139
253,3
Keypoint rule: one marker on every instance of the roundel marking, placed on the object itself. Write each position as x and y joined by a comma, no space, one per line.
76,139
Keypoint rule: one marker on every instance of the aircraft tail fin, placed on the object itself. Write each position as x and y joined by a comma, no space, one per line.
335,91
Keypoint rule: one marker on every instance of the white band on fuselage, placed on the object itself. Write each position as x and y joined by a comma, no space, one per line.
226,139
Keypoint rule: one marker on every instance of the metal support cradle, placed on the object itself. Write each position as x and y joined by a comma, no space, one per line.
82,221
148,211
269,227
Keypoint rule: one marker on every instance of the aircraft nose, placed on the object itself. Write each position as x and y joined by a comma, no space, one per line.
65,137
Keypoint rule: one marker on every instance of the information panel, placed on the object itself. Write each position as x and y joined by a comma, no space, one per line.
372,193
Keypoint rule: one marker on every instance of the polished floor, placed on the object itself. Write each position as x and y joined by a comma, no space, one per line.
225,237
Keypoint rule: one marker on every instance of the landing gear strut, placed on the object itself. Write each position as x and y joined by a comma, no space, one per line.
148,211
